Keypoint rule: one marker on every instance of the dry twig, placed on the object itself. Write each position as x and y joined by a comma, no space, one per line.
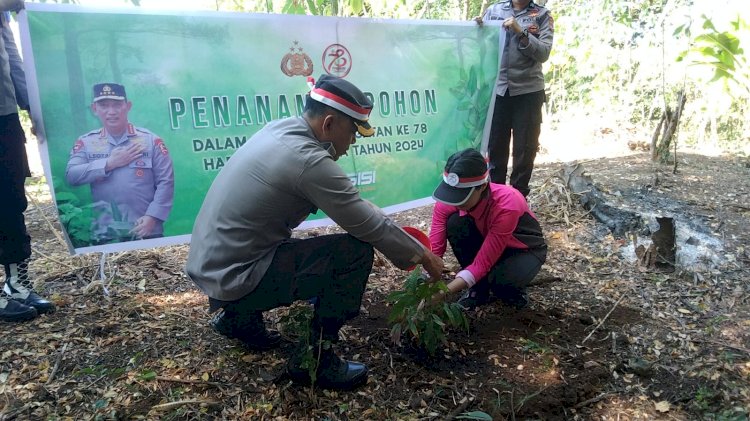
723,344
603,320
595,399
176,404
49,223
176,380
57,363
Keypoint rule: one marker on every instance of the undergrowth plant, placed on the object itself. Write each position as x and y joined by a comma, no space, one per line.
296,323
415,316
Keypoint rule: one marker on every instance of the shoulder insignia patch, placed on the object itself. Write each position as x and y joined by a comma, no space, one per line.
162,147
77,147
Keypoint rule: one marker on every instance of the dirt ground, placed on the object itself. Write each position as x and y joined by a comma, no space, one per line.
603,338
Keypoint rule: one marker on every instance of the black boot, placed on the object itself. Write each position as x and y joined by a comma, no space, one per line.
12,311
511,296
247,328
19,287
332,371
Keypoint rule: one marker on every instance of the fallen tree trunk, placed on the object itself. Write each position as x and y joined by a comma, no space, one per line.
659,254
620,222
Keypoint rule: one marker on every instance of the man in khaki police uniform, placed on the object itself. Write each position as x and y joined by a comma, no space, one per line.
243,256
128,167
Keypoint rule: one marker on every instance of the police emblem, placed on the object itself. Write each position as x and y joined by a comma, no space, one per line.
337,60
139,172
296,63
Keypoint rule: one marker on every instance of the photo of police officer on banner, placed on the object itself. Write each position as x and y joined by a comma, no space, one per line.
128,168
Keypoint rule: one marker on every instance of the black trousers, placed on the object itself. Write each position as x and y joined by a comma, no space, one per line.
15,243
515,268
332,268
520,117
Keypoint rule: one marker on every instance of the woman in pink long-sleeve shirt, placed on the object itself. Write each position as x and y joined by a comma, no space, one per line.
494,235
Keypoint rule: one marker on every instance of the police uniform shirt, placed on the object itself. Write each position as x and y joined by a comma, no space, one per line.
521,65
143,187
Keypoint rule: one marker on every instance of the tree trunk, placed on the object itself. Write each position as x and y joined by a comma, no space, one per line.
669,123
619,222
655,138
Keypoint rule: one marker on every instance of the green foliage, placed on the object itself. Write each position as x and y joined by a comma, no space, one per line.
147,375
533,347
99,371
475,415
415,316
706,400
296,323
721,51
628,65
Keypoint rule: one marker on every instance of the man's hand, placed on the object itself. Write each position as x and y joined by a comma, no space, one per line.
123,156
479,20
144,226
433,265
510,24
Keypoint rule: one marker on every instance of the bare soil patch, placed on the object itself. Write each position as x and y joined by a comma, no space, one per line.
602,338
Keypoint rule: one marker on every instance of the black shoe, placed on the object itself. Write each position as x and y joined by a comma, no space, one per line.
474,298
333,372
40,304
16,312
253,334
513,297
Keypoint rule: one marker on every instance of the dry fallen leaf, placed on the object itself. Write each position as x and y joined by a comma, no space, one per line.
662,406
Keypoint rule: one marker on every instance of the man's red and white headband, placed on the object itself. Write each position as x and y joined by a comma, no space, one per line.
332,100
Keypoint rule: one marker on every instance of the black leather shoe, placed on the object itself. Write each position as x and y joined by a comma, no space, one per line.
17,312
474,298
40,304
333,372
255,337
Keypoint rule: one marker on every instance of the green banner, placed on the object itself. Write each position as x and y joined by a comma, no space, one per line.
201,84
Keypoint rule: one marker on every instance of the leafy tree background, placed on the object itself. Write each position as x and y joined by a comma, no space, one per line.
620,62
615,61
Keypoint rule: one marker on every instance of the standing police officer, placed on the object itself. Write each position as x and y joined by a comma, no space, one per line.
127,167
520,89
18,301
